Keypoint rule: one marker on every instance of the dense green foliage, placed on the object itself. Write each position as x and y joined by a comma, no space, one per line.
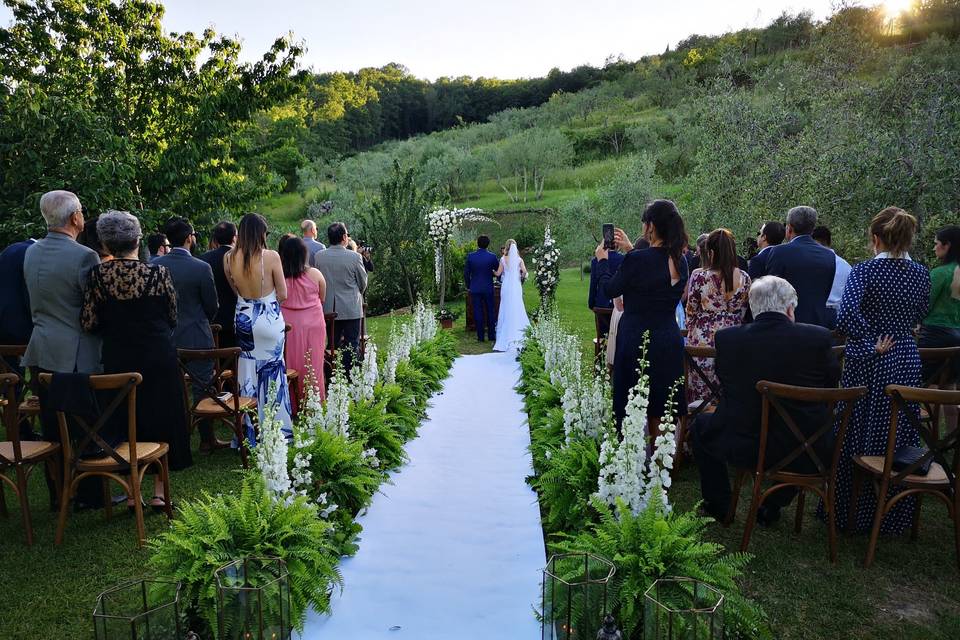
215,530
95,97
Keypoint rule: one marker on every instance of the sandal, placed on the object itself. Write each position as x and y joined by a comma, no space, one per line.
159,508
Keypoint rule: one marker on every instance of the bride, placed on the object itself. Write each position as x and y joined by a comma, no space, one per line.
512,320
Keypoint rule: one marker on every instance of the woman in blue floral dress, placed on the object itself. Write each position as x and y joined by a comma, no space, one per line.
256,274
883,300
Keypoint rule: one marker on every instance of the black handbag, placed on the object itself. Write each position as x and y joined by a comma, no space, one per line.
906,456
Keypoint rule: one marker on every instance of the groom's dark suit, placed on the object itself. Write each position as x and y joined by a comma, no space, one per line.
478,276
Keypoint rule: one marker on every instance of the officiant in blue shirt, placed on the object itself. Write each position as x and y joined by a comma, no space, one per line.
478,277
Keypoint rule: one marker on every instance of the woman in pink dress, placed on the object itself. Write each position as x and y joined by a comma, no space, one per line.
303,311
718,298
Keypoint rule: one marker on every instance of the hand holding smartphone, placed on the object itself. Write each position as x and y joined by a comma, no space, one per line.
608,240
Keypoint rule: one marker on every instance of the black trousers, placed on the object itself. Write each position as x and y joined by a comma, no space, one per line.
89,490
346,335
714,477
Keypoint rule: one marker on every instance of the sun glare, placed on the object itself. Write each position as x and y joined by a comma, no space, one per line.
894,8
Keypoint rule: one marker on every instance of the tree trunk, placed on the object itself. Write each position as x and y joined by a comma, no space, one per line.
406,280
443,276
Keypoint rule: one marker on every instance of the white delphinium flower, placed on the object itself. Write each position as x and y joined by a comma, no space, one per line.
595,403
271,458
370,455
337,414
664,450
365,381
622,471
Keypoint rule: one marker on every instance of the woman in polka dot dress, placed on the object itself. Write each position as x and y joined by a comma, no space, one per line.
883,300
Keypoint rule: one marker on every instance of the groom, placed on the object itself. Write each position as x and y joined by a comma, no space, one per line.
478,276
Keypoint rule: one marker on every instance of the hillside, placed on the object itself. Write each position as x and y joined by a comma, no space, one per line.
842,115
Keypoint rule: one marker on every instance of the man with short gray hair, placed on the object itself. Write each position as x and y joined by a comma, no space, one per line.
805,264
309,230
55,270
775,348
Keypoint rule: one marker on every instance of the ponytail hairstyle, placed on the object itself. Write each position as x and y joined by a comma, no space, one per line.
951,236
251,237
702,250
895,228
665,218
722,249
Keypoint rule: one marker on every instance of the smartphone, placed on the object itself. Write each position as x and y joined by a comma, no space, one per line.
608,242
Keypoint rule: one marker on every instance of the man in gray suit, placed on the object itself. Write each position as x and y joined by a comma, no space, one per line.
55,270
346,282
196,303
309,229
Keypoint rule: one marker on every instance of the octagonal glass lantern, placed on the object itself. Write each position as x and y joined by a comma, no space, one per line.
253,600
147,609
574,596
682,609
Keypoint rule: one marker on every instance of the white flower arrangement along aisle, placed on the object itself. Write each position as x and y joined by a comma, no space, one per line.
626,473
547,262
287,480
441,225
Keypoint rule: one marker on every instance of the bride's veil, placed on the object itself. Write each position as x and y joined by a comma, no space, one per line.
513,259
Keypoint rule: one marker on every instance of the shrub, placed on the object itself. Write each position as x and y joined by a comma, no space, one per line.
215,530
370,426
340,470
566,485
656,544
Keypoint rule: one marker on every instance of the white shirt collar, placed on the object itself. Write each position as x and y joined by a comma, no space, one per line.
886,254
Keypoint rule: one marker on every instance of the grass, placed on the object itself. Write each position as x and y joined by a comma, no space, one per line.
912,592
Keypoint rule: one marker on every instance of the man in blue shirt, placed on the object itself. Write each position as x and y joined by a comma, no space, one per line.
823,236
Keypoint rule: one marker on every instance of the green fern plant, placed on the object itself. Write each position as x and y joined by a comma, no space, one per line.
656,544
340,471
215,530
401,409
567,484
370,426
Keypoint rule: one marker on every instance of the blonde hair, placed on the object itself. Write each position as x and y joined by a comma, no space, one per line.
895,228
510,242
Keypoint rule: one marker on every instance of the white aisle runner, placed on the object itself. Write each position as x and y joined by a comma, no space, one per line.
453,548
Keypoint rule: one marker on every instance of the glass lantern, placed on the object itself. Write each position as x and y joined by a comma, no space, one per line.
682,609
253,600
145,609
574,596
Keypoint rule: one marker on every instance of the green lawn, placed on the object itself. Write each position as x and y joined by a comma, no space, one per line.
912,592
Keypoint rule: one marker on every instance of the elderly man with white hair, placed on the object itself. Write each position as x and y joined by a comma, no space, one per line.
55,269
775,348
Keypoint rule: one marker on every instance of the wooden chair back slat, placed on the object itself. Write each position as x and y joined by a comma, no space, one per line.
225,362
944,357
692,368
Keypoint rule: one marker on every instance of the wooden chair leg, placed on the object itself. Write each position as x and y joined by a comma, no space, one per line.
798,519
3,501
54,466
752,515
877,521
138,507
66,497
238,428
915,527
956,525
831,507
24,504
165,478
735,497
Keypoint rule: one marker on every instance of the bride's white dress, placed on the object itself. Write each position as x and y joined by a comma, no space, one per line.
512,320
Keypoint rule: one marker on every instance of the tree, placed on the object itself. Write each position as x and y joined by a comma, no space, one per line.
395,223
97,98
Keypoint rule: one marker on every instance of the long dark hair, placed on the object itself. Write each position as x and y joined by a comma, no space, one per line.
722,249
251,237
293,255
665,218
951,236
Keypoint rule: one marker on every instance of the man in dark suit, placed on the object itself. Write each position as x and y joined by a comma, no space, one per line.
15,323
772,348
805,264
157,245
196,302
771,234
478,277
224,235
596,299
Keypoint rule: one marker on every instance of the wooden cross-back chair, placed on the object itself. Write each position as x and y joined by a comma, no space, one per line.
693,368
941,478
28,402
823,481
125,463
215,330
293,376
18,458
217,399
942,358
601,324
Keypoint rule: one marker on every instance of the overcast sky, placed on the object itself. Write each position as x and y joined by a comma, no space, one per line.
492,38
